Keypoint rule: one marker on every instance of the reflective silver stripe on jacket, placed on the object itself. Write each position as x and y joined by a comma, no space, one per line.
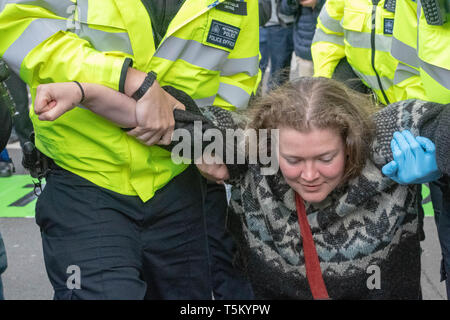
83,6
232,94
105,41
193,52
205,102
249,66
236,96
59,7
404,72
373,82
100,40
439,74
362,40
41,29
404,53
206,57
320,35
328,22
37,31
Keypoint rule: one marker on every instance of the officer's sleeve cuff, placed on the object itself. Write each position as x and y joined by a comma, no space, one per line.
128,63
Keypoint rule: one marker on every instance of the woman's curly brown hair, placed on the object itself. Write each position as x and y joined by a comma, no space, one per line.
321,103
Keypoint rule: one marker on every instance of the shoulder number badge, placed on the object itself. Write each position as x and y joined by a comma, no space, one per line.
234,6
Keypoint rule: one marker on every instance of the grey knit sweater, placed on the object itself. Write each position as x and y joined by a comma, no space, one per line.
364,229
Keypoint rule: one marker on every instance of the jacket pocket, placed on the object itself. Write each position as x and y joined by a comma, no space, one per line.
354,20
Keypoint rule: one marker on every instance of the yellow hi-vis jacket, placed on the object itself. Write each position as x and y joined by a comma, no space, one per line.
425,48
210,51
362,31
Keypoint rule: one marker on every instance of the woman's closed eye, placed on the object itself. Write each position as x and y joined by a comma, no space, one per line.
326,160
293,160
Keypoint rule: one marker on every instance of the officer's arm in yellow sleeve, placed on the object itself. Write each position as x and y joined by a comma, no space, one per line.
66,57
239,83
328,43
34,44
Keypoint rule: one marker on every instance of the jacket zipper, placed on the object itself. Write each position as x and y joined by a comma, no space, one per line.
372,42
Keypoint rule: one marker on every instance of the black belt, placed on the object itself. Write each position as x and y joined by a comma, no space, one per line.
53,166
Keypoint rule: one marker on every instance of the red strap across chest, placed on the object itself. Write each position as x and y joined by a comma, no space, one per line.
313,271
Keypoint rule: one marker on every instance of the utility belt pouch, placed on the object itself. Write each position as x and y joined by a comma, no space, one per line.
35,161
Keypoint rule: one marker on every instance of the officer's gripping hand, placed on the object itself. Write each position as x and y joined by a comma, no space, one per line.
55,99
414,159
154,115
214,172
308,3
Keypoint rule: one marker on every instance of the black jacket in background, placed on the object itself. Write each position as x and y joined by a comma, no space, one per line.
5,124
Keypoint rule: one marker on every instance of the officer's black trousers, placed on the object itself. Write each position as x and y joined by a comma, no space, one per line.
102,245
228,283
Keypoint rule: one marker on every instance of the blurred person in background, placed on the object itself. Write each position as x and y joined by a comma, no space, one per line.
277,46
306,13
5,132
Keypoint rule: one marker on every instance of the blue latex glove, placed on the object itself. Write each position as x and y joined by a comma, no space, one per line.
414,160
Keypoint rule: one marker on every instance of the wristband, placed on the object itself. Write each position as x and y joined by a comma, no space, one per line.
82,92
148,82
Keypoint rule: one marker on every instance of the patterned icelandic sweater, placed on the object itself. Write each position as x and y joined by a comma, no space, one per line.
362,230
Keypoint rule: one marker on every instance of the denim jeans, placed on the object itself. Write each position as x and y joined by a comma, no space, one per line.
263,49
1,289
278,47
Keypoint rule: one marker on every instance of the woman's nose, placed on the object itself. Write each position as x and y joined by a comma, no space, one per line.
309,172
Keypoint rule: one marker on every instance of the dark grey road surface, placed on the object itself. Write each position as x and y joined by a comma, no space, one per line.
26,279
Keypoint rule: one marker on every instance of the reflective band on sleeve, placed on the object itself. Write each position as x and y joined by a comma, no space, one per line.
362,40
373,82
59,7
36,32
100,40
320,35
83,6
330,23
105,41
404,53
234,95
440,75
249,66
206,57
404,72
205,102
192,52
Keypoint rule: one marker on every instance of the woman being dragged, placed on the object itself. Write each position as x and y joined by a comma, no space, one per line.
329,198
